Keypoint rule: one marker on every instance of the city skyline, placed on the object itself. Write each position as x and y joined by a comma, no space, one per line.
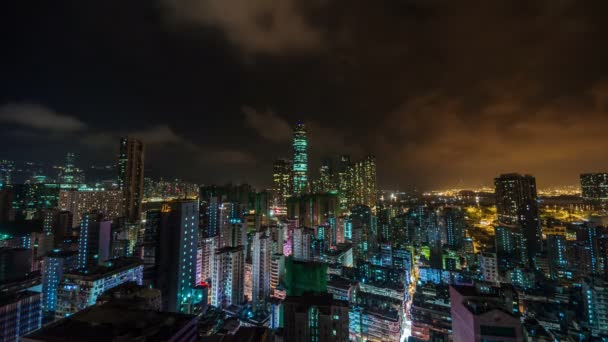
212,91
304,170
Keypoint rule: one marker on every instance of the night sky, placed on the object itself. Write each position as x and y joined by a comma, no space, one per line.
444,93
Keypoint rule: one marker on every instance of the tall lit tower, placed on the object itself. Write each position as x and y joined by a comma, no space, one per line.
281,178
68,171
513,191
300,159
131,175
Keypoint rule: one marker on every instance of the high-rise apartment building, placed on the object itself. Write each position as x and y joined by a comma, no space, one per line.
7,167
207,246
68,174
594,186
488,267
54,265
93,241
281,181
131,176
595,297
83,201
260,275
511,246
455,227
529,223
20,314
277,270
556,255
364,231
300,159
228,281
357,181
302,240
177,253
232,230
211,221
313,209
512,192
57,223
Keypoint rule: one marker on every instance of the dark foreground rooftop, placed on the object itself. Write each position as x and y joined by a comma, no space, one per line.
118,322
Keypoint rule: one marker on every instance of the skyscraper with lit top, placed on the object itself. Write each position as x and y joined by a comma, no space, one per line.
68,171
300,159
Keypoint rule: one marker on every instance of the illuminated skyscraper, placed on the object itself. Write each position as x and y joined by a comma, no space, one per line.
233,232
55,263
68,170
207,246
131,175
302,239
364,231
513,191
365,182
357,182
455,227
529,222
557,255
511,246
281,179
595,294
343,181
94,241
6,172
80,202
177,256
594,186
300,159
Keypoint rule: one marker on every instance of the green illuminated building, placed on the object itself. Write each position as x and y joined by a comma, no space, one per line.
300,159
68,170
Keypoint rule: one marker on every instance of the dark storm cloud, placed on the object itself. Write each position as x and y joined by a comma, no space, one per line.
442,92
39,117
266,26
156,135
269,125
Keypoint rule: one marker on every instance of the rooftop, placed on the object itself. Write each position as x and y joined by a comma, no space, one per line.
114,266
15,297
114,321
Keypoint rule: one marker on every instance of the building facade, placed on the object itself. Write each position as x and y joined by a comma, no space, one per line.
228,281
80,202
300,159
131,176
20,314
78,290
512,191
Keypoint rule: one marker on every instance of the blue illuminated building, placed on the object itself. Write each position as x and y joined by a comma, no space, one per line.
94,241
178,247
55,263
20,314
